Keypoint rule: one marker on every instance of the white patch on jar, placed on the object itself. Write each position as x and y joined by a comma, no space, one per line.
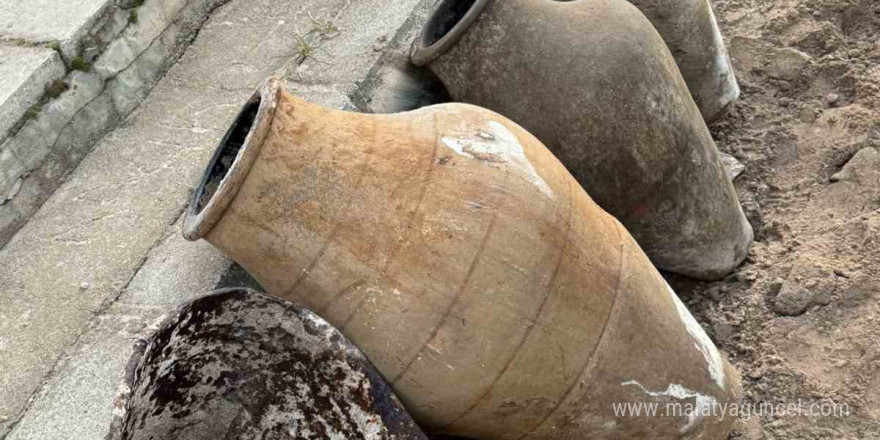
703,404
701,340
498,144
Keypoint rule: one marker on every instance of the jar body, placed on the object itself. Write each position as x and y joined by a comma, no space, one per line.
691,32
470,267
599,88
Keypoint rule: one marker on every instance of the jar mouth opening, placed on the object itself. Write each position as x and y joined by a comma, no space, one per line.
232,160
446,25
226,153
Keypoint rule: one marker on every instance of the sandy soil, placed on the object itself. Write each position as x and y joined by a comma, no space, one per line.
800,318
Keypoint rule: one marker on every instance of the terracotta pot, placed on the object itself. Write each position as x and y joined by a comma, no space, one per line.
595,82
237,364
691,32
464,260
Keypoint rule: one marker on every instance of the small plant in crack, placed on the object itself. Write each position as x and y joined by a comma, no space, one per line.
80,63
307,47
304,48
308,44
55,45
33,111
56,88
133,16
325,28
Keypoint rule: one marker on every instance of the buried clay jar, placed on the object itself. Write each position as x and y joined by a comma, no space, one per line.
237,364
691,33
596,84
468,265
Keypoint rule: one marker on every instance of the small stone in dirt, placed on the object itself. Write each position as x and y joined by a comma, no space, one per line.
830,99
865,164
808,115
807,285
752,210
776,285
732,166
788,64
792,300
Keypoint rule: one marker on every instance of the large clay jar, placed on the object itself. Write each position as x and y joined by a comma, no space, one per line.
691,32
596,84
465,261
237,364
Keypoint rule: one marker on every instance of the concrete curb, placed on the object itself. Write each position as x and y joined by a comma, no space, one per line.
24,73
113,60
112,225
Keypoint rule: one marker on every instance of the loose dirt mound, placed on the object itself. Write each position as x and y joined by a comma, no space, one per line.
800,318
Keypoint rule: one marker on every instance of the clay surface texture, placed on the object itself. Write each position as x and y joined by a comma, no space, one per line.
457,252
238,364
603,93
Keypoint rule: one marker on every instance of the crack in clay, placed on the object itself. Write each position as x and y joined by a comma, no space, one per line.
498,145
677,391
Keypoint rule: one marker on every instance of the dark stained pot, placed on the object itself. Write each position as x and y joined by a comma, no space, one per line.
594,81
237,364
466,262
